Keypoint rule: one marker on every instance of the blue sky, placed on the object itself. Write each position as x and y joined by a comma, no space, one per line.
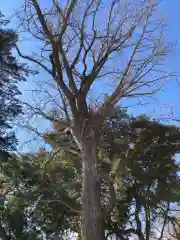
169,96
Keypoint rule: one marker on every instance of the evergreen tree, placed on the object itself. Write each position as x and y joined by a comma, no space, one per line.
11,72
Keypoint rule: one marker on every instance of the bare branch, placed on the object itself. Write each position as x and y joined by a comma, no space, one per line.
33,60
82,34
42,20
69,10
116,95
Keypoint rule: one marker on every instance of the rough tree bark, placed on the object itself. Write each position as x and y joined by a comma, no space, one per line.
92,219
87,136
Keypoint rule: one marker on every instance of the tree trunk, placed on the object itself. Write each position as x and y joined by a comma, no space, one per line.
92,218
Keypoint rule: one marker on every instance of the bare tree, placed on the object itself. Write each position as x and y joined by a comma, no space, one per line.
102,46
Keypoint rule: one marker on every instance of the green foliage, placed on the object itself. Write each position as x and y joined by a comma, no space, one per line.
151,176
11,72
145,178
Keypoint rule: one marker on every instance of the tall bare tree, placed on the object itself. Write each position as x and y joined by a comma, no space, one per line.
96,46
